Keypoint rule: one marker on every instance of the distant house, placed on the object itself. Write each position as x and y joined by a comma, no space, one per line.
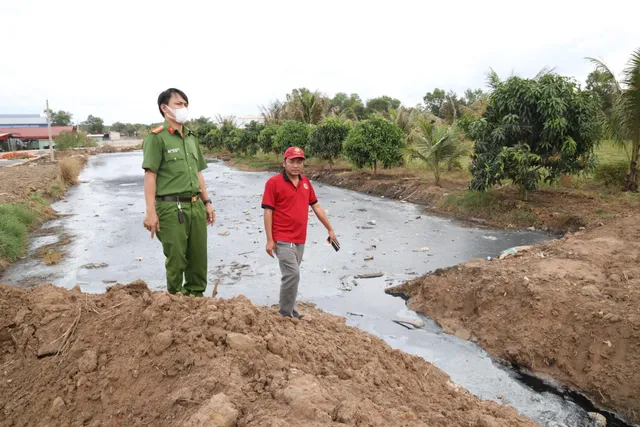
35,138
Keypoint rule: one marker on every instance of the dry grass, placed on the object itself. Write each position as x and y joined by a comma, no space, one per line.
70,168
52,257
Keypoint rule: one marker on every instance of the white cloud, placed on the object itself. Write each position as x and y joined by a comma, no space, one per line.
113,58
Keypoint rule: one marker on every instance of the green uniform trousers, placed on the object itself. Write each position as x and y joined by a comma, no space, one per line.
184,246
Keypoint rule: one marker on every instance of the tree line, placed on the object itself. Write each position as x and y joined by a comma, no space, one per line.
523,130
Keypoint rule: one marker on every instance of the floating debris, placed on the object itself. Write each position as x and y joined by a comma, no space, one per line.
369,275
96,265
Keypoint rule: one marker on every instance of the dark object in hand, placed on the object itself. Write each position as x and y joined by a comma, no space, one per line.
335,244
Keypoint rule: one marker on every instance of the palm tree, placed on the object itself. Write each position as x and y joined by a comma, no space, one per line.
306,106
403,117
623,123
273,113
434,144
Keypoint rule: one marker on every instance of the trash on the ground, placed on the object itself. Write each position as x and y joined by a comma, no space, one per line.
372,222
599,420
410,324
368,258
425,249
223,233
324,270
96,265
514,251
490,237
355,314
139,258
369,275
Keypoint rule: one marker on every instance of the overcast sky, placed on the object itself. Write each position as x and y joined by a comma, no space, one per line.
113,58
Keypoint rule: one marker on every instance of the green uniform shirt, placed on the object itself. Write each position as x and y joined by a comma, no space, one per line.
175,161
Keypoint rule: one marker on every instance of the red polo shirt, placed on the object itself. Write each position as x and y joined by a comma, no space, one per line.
290,206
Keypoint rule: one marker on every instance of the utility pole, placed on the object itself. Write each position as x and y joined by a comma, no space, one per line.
49,127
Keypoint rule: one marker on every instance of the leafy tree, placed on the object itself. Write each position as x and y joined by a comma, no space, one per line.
533,129
348,107
435,145
266,139
472,96
60,118
229,137
623,123
382,105
375,140
118,127
93,124
603,89
447,106
212,139
249,142
325,141
67,140
434,100
291,134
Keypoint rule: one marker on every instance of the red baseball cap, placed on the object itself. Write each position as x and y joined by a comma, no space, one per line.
294,153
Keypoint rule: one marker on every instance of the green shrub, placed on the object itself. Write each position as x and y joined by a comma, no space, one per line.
23,215
67,140
612,174
291,134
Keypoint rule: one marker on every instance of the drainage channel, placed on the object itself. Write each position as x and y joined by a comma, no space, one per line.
377,235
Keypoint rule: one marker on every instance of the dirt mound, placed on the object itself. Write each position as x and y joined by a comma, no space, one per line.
135,357
568,308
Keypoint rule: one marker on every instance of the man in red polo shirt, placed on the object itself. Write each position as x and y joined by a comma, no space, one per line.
286,200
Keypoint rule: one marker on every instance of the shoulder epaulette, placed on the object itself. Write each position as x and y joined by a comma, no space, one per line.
157,129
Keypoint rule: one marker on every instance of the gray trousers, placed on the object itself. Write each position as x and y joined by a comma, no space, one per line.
290,256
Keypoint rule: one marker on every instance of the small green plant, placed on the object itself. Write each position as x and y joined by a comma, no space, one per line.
612,175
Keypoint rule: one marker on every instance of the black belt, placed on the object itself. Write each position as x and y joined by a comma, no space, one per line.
179,199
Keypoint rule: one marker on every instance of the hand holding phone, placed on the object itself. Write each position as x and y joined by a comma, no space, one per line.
334,243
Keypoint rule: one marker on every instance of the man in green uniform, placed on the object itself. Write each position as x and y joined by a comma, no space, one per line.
178,206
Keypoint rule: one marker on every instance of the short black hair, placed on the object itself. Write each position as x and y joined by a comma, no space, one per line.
165,96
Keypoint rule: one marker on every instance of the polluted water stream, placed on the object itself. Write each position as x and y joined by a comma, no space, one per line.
103,217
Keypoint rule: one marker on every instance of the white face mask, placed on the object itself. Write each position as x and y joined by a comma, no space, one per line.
180,115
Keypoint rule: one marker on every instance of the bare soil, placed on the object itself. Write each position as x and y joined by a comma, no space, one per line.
17,182
135,357
567,308
559,209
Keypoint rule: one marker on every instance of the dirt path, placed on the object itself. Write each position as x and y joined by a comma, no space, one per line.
568,308
135,357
